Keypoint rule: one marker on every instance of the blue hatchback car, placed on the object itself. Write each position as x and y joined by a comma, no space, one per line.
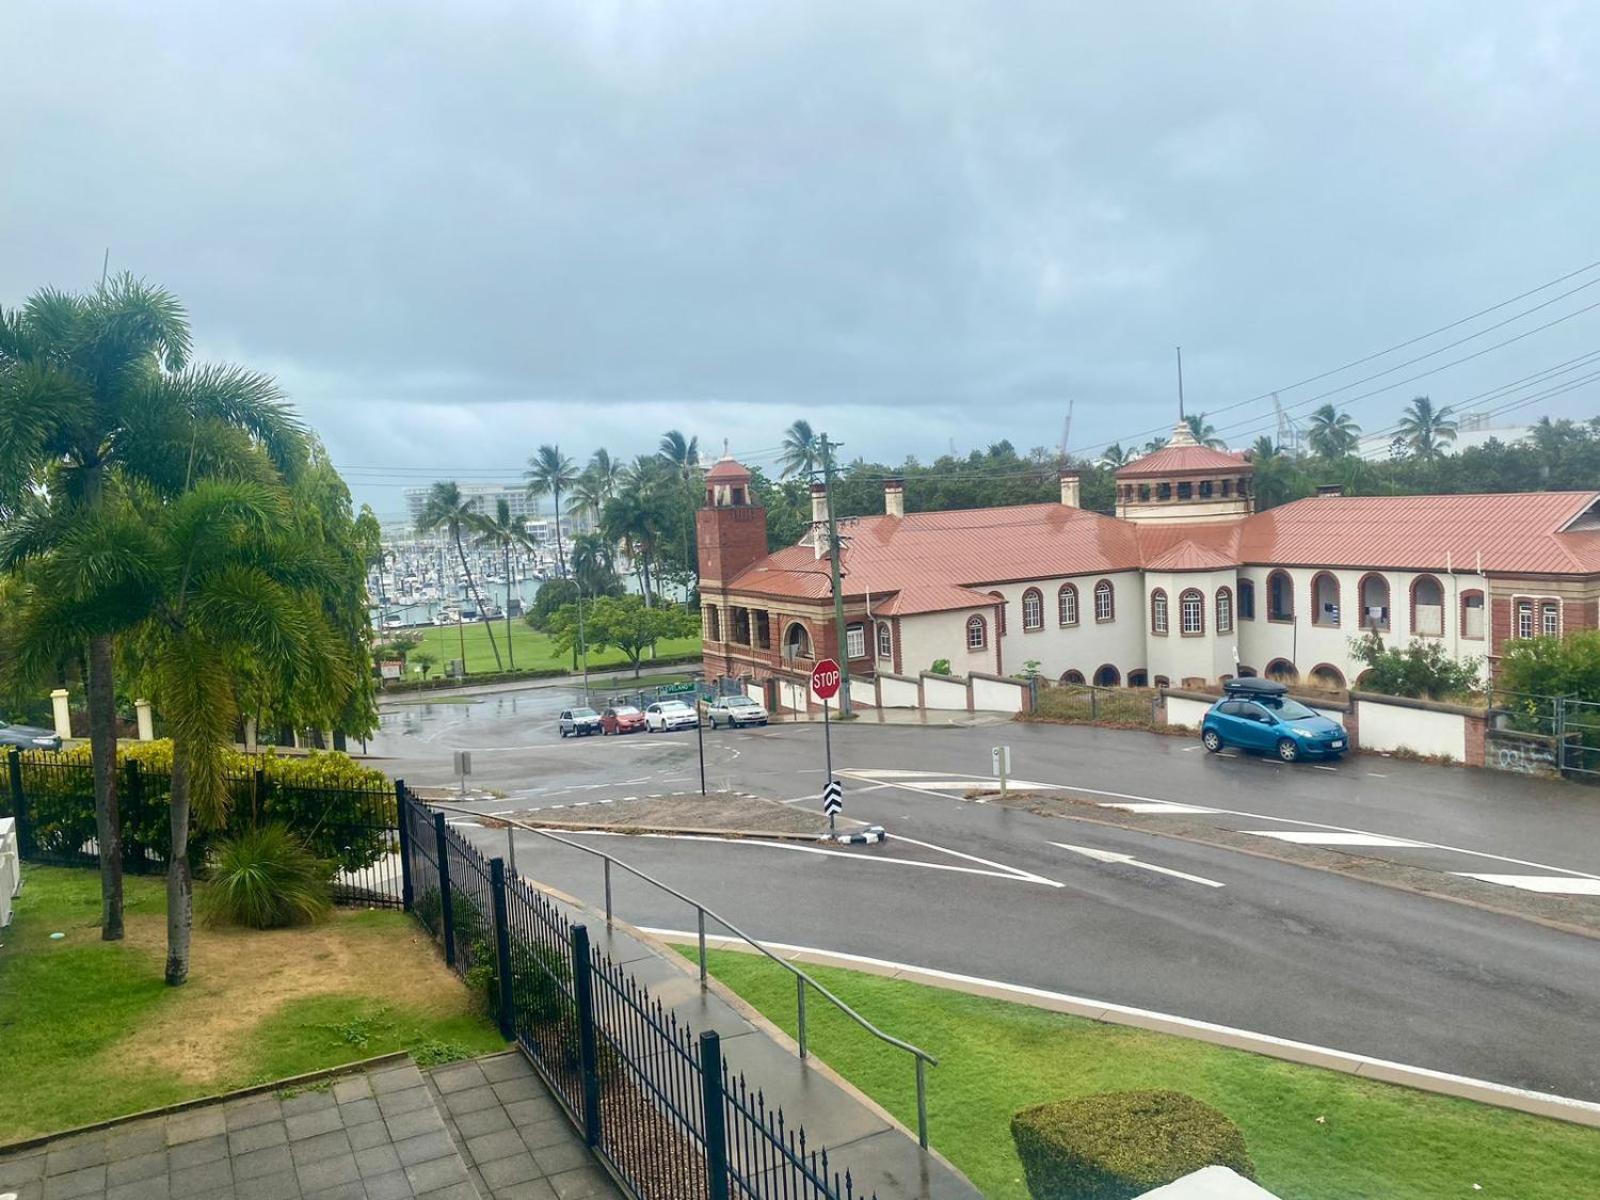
1257,714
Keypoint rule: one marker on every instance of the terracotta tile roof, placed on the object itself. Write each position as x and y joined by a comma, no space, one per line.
727,469
933,597
1187,556
1171,460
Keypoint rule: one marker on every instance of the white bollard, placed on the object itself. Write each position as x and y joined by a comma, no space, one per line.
147,723
58,701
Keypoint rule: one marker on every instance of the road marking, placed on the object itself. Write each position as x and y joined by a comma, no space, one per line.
935,781
1018,871
1320,767
1375,775
1300,838
1555,885
1583,1112
502,812
1161,807
1128,860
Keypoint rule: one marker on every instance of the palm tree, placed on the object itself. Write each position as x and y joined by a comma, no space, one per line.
445,509
1263,449
505,533
593,568
607,473
97,396
632,520
550,473
801,450
1333,434
1114,456
196,587
1425,429
1204,433
682,454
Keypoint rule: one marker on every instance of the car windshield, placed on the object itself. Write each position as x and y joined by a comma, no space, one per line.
584,712
1289,710
629,711
739,702
674,706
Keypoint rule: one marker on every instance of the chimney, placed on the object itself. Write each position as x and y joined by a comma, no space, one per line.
819,519
1069,488
894,497
1330,489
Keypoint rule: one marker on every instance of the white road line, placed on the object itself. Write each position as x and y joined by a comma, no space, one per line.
1375,775
1555,885
1299,838
1255,816
1585,1112
1128,860
1018,871
502,812
1320,767
945,781
1161,807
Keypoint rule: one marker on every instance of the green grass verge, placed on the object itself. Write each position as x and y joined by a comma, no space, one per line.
84,1023
531,649
1314,1134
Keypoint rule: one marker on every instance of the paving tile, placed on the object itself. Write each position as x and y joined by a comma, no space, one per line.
202,1180
502,1172
359,1112
65,1157
327,1172
532,1189
413,1124
364,1137
491,1146
440,1173
500,1067
136,1167
195,1124
457,1076
26,1167
192,1154
471,1100
280,1186
85,1181
393,1186
255,1137
392,1104
306,1125
533,1110
541,1134
395,1079
268,1160
351,1088
141,1137
455,1191
586,1181
524,1087
380,1160
307,1102
152,1187
323,1145
567,1156
476,1124
32,1190
425,1147
340,1191
254,1110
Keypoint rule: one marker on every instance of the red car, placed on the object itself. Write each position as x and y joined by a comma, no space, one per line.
624,719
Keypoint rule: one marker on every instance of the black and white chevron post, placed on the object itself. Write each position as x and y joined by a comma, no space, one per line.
833,797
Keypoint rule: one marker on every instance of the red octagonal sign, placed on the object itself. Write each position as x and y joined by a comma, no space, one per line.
825,679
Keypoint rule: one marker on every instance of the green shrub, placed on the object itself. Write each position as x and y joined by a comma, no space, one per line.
266,878
1117,1145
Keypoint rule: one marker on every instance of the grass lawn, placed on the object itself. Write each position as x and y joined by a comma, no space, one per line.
1314,1134
88,1030
532,649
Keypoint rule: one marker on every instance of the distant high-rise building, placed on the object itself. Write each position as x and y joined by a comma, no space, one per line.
481,498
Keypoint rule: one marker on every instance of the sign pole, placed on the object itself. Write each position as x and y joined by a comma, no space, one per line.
827,743
826,679
700,738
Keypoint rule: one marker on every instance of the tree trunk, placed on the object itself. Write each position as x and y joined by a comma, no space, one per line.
472,586
180,886
561,559
511,654
103,753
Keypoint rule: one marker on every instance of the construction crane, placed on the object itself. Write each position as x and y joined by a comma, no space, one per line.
1066,431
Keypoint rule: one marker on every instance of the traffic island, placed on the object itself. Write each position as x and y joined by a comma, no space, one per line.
716,814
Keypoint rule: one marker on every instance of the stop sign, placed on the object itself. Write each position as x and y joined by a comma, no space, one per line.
825,679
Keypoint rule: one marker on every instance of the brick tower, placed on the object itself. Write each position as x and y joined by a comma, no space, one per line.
731,530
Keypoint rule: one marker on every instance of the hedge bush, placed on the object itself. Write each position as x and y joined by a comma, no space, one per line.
1117,1145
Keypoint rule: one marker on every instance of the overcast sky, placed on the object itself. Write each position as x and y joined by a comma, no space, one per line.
455,230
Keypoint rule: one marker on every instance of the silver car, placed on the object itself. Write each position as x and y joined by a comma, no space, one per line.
579,722
737,710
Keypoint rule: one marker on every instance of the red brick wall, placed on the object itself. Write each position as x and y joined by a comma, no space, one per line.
1576,615
729,539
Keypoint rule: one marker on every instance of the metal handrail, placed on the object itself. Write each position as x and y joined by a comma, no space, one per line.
922,1057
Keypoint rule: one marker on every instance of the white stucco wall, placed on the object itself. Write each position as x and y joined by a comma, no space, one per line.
991,695
1391,727
927,637
756,692
941,692
1081,647
1207,657
1186,712
1308,645
897,693
863,692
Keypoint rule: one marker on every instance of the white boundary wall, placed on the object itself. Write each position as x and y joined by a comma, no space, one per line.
1393,727
897,693
944,692
998,695
1186,712
863,693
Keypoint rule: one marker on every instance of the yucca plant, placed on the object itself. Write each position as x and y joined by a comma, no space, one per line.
266,878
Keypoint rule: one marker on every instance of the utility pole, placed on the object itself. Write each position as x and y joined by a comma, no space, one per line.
833,563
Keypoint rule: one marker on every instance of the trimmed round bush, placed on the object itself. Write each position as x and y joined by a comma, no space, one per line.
266,878
1118,1145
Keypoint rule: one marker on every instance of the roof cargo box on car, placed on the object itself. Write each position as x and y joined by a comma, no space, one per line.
1252,685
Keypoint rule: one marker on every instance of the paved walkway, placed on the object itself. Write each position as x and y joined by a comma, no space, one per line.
486,1129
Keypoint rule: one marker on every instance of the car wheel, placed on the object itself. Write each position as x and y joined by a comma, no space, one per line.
1211,741
563,733
1287,750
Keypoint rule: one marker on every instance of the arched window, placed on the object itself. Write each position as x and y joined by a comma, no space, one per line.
1327,677
796,641
1472,615
1427,607
1247,600
1158,613
1372,593
1163,682
1280,597
1072,677
1067,604
1282,670
1550,619
1105,602
713,623
977,633
1247,672
1325,600
1224,610
1192,613
1138,679
885,640
1032,609
1107,676
1000,614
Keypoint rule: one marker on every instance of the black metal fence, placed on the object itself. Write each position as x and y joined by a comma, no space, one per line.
52,798
655,1101
1543,735
1085,702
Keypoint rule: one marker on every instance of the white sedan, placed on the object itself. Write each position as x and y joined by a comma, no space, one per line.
669,715
737,710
